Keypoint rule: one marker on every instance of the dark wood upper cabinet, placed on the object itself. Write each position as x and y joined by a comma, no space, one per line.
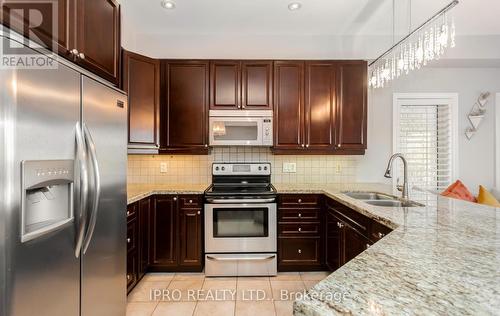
163,233
141,80
320,105
256,85
184,107
352,109
98,37
288,105
225,85
63,41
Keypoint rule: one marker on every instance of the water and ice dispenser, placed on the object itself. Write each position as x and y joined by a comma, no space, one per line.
47,197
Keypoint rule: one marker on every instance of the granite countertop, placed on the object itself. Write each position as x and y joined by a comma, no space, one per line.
136,192
439,260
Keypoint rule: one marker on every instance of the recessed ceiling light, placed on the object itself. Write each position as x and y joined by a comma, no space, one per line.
294,6
168,4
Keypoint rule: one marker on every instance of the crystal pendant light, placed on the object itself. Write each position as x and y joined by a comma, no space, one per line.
424,44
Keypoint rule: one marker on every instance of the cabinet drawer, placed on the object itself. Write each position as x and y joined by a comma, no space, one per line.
300,200
190,201
298,229
131,211
299,251
132,233
297,214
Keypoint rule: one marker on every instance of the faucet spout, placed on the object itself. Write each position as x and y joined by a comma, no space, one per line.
388,173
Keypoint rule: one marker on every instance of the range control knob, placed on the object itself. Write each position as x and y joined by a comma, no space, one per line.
260,168
265,167
217,168
223,168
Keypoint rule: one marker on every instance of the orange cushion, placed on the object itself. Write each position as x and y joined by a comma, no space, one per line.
459,191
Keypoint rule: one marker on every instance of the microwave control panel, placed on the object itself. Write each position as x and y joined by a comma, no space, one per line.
267,132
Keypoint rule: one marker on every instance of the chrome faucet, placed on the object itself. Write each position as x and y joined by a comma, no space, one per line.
403,188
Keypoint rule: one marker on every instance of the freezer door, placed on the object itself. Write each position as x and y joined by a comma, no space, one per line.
104,255
40,272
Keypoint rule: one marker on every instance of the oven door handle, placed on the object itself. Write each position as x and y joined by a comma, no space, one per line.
241,258
238,201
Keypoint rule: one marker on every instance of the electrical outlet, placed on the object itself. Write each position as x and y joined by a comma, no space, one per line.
289,167
163,167
338,168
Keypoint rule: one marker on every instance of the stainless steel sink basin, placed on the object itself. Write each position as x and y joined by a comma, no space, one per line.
369,196
379,199
393,203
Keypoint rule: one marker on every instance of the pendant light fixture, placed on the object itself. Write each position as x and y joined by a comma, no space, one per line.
427,42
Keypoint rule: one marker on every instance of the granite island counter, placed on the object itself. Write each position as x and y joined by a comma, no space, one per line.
439,260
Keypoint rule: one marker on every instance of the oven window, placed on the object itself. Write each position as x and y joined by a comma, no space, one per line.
241,222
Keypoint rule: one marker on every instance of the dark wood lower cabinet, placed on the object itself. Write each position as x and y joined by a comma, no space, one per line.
164,234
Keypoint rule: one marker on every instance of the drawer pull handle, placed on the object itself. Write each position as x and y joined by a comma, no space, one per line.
128,240
300,251
190,201
199,212
128,213
300,229
175,199
300,200
300,215
367,246
380,235
340,225
128,276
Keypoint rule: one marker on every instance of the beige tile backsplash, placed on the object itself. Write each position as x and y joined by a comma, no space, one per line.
197,169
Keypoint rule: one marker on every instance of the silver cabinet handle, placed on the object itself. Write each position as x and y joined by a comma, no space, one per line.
199,212
175,198
300,215
307,146
190,201
81,55
206,145
128,240
303,145
367,246
74,52
300,229
300,201
97,184
299,251
84,183
380,235
128,276
128,213
340,225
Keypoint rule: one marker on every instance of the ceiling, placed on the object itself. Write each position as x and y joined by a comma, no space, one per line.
250,22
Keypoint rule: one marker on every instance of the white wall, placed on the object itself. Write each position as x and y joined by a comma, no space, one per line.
476,157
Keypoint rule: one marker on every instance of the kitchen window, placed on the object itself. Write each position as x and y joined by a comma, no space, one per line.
426,133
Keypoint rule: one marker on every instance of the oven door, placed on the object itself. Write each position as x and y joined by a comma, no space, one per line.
235,131
245,227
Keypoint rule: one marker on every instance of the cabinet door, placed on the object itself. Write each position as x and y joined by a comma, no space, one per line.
143,241
288,105
190,239
256,85
299,253
141,79
63,41
351,105
163,234
131,271
320,105
225,77
98,37
333,235
353,243
186,105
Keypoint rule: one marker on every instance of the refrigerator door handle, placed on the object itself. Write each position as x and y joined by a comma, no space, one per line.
83,194
97,186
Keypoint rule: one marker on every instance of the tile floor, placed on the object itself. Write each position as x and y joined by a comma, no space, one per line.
193,294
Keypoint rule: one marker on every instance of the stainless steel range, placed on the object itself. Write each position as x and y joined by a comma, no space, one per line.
240,221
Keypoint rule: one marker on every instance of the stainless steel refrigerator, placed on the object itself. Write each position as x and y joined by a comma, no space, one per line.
63,142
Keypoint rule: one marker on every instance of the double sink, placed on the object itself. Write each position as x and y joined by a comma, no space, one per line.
379,199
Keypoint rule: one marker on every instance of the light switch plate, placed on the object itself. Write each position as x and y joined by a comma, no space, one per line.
289,167
163,167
